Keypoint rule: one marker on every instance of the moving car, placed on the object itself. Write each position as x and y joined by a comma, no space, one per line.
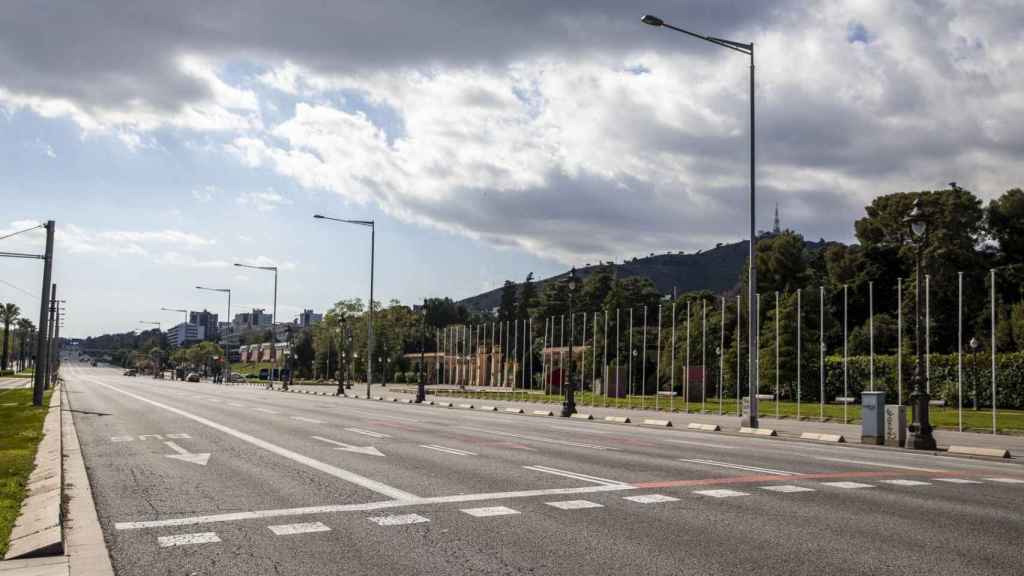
192,377
131,372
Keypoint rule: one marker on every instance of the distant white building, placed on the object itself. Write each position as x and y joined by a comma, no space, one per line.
184,334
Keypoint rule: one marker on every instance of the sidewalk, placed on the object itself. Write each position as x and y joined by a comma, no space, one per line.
783,426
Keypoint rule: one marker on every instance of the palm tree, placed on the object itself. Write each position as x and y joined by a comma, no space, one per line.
25,327
8,313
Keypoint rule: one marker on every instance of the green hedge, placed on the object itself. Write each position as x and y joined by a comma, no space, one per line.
1009,378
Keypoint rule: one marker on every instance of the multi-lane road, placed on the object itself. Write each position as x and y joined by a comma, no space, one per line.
196,478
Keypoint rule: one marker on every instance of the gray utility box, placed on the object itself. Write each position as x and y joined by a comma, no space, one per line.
895,425
873,414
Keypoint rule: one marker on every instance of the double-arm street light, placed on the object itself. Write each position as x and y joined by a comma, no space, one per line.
369,325
227,344
273,318
569,405
182,310
920,431
749,419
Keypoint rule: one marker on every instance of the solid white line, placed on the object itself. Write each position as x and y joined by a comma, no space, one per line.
457,498
447,450
185,539
303,528
490,511
879,464
1006,480
267,410
575,475
771,471
398,520
369,484
369,433
304,419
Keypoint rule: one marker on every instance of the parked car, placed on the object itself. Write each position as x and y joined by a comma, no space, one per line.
131,372
236,377
192,377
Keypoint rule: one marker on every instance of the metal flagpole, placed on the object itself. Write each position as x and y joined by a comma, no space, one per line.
629,361
821,352
703,355
593,365
672,376
927,334
721,359
544,358
755,380
846,353
992,274
657,367
899,341
643,364
799,346
618,356
960,352
604,368
561,354
777,354
686,378
739,353
871,333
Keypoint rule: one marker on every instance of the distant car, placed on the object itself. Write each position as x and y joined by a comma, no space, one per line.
131,372
93,363
192,377
236,377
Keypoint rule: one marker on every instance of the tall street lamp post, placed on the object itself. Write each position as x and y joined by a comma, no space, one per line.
920,431
749,419
273,318
227,344
421,388
569,406
369,325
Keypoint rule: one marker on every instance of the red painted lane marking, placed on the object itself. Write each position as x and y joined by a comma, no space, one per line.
770,478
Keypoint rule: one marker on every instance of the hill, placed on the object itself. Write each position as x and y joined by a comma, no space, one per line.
717,270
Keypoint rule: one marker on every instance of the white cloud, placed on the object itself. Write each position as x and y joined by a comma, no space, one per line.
205,193
262,201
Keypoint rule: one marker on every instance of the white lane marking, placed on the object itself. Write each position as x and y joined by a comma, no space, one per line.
267,410
369,433
369,506
236,404
956,480
447,450
302,528
575,475
650,498
702,444
178,437
574,504
906,482
743,467
185,539
489,511
1006,480
122,438
369,484
200,458
310,420
879,464
721,493
787,488
398,519
368,450
539,438
847,485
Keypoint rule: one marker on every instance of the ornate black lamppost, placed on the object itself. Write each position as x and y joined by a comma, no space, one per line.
919,434
569,406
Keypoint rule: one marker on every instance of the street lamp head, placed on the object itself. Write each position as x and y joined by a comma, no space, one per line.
572,279
318,216
974,343
651,20
916,219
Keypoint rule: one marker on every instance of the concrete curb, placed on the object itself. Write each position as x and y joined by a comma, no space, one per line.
704,427
513,410
823,437
39,530
442,404
543,413
466,406
758,431
489,408
652,422
580,416
975,451
618,419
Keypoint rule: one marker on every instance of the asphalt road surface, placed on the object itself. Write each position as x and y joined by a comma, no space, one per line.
15,383
202,479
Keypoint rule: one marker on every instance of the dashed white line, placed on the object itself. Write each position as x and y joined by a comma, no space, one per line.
879,464
301,528
574,504
304,419
267,410
488,511
906,482
743,467
447,450
575,475
847,485
787,488
956,480
723,493
398,519
650,498
539,439
1006,480
186,539
236,404
369,433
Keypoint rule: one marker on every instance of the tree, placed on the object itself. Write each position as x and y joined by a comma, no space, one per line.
8,314
1005,224
25,329
781,263
507,307
527,298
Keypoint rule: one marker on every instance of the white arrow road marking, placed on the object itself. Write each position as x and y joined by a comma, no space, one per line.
447,450
369,433
738,467
368,450
200,458
183,539
357,479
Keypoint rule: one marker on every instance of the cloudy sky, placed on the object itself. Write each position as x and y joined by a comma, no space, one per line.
488,139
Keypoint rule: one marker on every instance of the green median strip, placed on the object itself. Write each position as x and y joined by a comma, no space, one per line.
21,429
